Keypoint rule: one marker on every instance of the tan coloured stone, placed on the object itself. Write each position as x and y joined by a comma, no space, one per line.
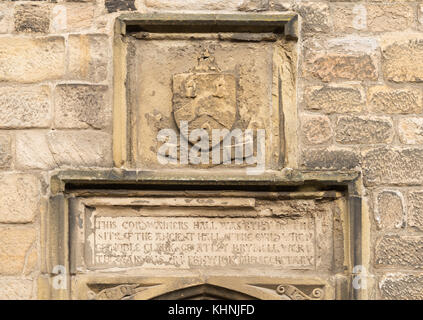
32,18
47,150
15,289
393,166
315,16
334,99
5,151
6,18
389,17
390,210
31,60
400,251
382,99
194,4
415,210
25,107
399,57
333,66
316,129
88,57
15,242
72,17
332,158
401,286
349,17
19,198
81,106
410,130
363,130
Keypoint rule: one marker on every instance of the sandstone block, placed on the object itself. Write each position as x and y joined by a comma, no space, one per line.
390,210
15,289
331,158
81,106
25,107
382,99
19,198
316,129
410,130
415,210
32,18
400,286
400,251
72,17
194,4
363,130
15,242
88,57
315,16
31,60
400,166
389,16
5,151
334,99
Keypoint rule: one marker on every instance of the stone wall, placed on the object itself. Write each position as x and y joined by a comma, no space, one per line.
359,99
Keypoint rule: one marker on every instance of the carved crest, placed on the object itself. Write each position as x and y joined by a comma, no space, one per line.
205,97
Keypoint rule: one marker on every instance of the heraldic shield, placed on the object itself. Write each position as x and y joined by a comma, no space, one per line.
205,98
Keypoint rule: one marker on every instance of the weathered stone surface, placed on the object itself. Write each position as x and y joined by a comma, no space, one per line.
194,4
25,107
72,16
400,286
5,150
81,106
382,99
316,129
332,67
19,198
254,5
410,130
31,60
400,251
120,5
334,99
80,148
15,289
47,150
363,130
330,158
315,16
389,17
349,17
6,18
393,166
32,18
399,56
415,210
88,57
15,242
390,212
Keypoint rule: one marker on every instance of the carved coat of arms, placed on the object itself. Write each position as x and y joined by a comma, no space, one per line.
205,97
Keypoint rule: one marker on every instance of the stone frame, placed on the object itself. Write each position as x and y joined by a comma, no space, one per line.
66,185
124,137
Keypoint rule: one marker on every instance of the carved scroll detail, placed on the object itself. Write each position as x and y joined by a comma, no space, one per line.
296,294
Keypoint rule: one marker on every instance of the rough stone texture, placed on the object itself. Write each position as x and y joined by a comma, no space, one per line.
15,289
72,16
316,129
393,166
31,60
32,18
363,130
400,251
315,16
330,158
19,198
390,212
334,99
411,130
349,17
254,5
81,106
343,67
400,286
5,150
54,149
26,107
15,242
399,56
120,5
88,57
389,17
382,99
6,18
194,4
415,210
